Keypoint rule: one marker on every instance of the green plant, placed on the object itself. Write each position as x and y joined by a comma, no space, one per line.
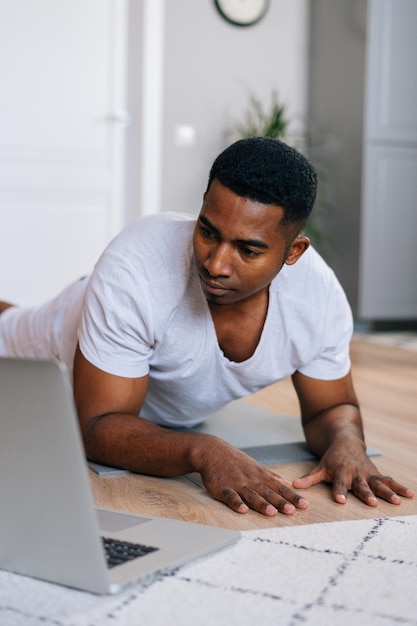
261,122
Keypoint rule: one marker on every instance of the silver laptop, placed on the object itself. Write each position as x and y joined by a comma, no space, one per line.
49,527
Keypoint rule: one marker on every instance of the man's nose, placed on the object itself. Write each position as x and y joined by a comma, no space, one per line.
218,262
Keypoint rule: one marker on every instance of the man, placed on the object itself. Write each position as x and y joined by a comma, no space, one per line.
180,316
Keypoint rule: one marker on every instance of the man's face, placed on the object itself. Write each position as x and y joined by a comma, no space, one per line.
239,246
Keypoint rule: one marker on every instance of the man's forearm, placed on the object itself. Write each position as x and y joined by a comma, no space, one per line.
138,445
342,422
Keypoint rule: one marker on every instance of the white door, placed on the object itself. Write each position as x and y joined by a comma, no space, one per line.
62,139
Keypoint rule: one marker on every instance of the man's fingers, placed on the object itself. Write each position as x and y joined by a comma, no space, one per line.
279,493
340,489
317,475
369,489
233,500
393,486
388,489
262,504
263,499
249,500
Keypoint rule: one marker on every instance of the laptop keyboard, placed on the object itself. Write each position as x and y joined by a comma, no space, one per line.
118,552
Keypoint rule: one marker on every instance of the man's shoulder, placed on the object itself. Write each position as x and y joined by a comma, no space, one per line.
311,268
152,235
312,306
310,282
164,220
149,261
154,250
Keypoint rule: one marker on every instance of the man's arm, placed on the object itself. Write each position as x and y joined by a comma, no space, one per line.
108,407
334,432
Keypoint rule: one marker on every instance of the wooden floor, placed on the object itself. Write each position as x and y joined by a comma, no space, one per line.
386,384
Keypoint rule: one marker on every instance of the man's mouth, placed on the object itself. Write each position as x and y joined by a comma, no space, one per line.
212,288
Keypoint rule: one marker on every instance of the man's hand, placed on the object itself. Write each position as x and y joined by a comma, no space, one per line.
334,431
346,465
239,481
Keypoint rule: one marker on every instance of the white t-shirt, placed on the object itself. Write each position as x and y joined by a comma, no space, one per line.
145,313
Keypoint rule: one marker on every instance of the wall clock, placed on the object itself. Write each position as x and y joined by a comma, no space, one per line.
242,12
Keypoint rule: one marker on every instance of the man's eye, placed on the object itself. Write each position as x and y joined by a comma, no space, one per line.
250,252
205,231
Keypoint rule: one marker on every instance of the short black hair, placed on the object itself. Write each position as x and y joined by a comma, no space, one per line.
271,172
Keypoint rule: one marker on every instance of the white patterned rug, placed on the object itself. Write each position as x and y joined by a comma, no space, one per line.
341,573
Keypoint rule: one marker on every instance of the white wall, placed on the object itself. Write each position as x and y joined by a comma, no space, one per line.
209,70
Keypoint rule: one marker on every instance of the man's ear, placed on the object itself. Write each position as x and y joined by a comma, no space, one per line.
297,249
